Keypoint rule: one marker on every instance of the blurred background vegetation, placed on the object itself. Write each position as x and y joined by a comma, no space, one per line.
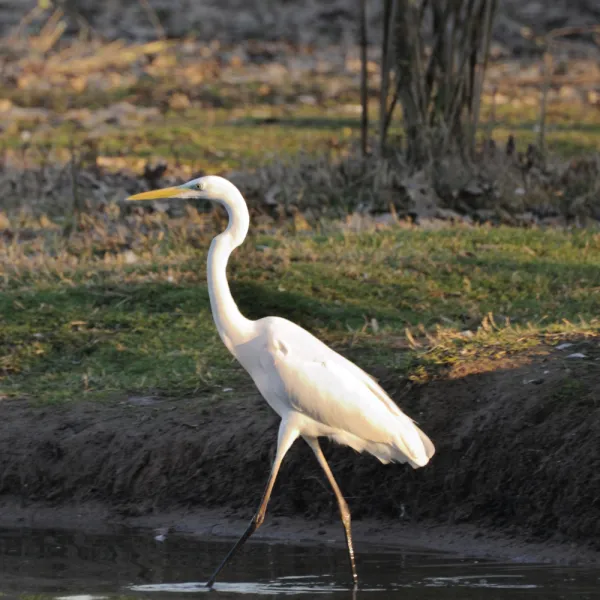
485,110
424,120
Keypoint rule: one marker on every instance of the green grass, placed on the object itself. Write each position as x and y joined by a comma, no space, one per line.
571,129
80,327
211,140
248,136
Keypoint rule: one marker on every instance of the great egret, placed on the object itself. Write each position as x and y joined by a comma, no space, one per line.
315,390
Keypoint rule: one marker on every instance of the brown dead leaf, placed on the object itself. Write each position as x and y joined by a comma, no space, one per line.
411,340
300,223
46,223
4,221
179,101
78,83
236,61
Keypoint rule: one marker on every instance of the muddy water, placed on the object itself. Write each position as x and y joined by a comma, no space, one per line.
132,564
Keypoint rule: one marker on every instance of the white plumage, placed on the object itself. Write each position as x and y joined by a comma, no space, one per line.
325,394
316,391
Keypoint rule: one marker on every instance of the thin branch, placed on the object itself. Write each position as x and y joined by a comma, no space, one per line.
548,64
385,72
488,20
390,110
153,18
364,98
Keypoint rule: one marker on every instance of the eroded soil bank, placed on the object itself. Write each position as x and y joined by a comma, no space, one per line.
518,458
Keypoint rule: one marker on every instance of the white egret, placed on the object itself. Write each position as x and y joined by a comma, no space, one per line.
316,391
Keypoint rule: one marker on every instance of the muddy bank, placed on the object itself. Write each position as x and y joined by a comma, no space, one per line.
518,455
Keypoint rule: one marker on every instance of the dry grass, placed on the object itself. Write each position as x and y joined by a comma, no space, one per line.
500,186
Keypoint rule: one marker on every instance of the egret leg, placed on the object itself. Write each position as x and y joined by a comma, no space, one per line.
343,505
286,437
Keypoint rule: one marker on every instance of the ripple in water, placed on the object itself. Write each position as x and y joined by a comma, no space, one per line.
291,586
478,581
313,584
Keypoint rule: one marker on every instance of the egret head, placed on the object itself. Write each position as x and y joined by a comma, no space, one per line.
210,187
217,189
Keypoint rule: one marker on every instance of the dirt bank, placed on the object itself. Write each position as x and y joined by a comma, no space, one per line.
517,441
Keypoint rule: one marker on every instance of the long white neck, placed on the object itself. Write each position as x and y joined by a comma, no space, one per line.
233,327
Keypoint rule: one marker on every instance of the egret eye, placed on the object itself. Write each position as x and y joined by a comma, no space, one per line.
200,185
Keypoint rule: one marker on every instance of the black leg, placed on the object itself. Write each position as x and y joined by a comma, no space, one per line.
286,438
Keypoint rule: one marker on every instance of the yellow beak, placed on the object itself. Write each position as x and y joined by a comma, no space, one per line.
170,192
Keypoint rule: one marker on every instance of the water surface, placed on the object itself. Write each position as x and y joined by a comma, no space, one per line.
63,565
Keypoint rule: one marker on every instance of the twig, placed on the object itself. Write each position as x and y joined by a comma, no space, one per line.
75,167
390,110
492,119
28,18
548,63
564,31
153,17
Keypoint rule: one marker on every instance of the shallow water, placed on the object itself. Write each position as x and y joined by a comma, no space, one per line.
132,564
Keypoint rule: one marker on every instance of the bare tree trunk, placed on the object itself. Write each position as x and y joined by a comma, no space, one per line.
409,77
439,89
488,13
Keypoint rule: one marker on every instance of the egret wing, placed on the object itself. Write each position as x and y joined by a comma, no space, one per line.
332,394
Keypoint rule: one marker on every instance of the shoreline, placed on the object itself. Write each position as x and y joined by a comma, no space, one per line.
514,475
381,535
